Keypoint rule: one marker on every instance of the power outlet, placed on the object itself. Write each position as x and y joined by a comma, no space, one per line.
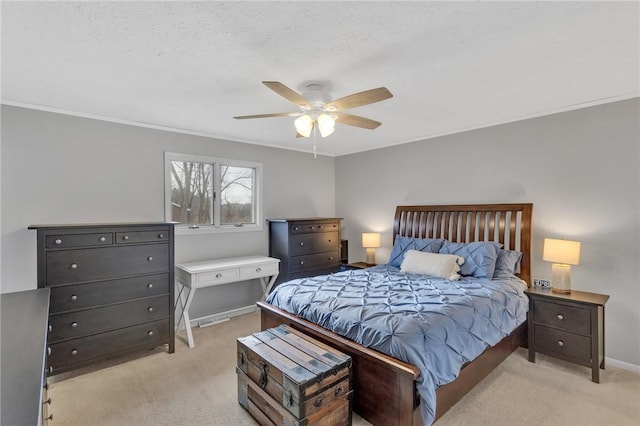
541,283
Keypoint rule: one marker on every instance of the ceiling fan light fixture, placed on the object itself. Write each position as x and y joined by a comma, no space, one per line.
326,125
304,125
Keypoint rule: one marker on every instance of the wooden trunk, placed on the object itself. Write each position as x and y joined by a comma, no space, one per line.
288,378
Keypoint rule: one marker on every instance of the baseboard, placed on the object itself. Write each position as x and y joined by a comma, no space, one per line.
223,316
621,364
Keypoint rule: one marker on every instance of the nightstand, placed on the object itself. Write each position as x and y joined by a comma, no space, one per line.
567,326
359,265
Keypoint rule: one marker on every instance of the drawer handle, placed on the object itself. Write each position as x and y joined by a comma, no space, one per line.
150,258
295,228
320,227
318,402
301,243
46,386
150,285
74,266
160,235
560,317
50,328
329,240
311,227
330,257
50,369
126,237
258,269
74,324
150,333
74,352
58,241
103,239
302,262
150,309
48,401
264,375
48,350
218,275
50,417
74,297
560,343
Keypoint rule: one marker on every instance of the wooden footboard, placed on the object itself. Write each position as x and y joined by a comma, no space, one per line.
384,387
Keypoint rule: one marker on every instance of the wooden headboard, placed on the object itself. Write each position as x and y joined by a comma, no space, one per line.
508,224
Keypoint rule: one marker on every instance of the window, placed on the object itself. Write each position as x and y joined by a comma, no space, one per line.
207,194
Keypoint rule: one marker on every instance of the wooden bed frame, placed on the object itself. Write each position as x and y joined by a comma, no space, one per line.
384,387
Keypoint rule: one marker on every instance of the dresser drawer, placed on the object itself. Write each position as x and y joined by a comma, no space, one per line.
562,343
73,266
314,243
91,321
312,261
569,318
79,240
80,296
65,354
249,272
142,236
302,228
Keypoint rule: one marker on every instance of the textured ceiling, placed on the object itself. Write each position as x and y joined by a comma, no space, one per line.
452,66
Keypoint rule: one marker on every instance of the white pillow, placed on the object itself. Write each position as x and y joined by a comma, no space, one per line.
435,264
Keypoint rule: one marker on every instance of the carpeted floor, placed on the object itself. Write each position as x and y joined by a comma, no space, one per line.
198,387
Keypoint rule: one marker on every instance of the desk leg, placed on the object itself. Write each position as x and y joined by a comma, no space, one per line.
186,304
266,288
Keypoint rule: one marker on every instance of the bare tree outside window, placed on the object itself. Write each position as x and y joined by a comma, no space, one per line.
191,192
236,195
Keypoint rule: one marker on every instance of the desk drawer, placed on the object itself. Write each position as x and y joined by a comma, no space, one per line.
569,318
313,261
562,343
73,266
79,240
81,296
91,321
221,276
314,243
65,354
255,271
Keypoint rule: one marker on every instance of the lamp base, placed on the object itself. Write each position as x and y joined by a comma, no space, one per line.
371,255
560,278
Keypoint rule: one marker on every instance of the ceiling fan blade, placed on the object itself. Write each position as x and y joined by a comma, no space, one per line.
357,121
359,99
275,114
286,93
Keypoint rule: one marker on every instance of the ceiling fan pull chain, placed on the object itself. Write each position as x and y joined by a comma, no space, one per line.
315,134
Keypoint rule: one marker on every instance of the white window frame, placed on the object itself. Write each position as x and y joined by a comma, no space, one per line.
216,227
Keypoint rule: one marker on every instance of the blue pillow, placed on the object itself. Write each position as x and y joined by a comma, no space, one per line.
403,244
479,257
508,263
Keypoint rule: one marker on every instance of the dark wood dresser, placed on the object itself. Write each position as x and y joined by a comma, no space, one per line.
567,326
305,247
112,290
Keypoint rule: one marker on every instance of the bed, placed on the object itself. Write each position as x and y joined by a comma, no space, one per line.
385,387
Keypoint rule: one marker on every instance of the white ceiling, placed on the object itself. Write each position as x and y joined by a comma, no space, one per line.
452,66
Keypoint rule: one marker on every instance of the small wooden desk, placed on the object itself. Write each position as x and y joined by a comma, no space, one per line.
193,275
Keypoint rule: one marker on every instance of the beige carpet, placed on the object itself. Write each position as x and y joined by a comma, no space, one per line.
198,387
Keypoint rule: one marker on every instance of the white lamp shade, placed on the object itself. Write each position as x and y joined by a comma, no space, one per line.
370,239
304,125
326,125
561,251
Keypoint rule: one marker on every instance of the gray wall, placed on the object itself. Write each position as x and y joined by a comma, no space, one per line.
62,169
580,169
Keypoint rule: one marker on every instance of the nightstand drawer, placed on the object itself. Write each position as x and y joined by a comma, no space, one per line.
569,318
562,343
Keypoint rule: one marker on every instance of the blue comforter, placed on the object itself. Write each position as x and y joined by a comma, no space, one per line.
434,324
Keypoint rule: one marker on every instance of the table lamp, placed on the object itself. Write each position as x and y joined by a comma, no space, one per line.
370,241
562,254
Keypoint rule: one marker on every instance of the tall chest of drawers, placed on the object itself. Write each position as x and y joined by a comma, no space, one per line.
111,288
305,247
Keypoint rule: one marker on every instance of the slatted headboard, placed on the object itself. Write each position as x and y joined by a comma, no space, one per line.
508,224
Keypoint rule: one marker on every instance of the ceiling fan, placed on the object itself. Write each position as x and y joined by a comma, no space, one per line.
318,111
